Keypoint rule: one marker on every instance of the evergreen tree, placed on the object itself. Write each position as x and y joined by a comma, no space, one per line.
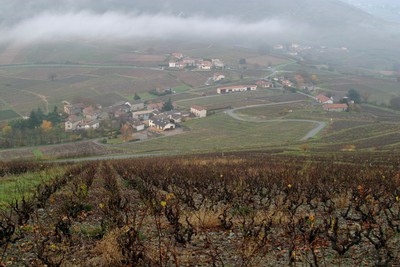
168,105
354,95
136,97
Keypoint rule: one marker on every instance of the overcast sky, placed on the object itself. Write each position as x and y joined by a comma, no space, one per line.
30,21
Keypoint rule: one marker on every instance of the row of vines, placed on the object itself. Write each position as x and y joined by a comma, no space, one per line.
235,210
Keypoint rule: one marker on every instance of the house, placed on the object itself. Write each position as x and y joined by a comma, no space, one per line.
155,106
287,83
74,109
263,84
217,63
172,64
137,105
86,125
205,65
199,111
71,124
174,116
323,99
123,105
234,89
218,77
177,55
90,113
142,115
189,62
137,125
335,107
162,123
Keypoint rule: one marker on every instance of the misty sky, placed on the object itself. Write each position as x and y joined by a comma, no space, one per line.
30,21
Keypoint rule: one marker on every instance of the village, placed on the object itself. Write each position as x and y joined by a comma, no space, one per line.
139,119
131,119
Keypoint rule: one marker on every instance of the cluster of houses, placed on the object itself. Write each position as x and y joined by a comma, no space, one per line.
85,117
136,115
179,61
329,105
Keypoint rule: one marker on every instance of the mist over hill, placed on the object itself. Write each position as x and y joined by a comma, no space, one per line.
318,22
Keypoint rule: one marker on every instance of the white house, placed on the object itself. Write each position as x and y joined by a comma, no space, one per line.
199,111
235,89
161,123
138,125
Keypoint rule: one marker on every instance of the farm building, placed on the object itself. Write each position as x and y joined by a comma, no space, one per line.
235,89
263,84
199,111
335,107
323,99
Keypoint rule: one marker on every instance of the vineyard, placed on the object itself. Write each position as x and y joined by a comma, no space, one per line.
248,209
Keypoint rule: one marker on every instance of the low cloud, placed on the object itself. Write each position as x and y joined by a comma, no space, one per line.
113,26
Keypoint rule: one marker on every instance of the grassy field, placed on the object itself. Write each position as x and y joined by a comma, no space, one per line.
279,111
222,133
14,187
236,99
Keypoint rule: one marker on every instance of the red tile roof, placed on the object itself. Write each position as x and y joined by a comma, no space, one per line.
322,98
199,108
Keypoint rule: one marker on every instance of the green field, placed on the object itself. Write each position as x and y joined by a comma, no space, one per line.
236,99
223,133
14,187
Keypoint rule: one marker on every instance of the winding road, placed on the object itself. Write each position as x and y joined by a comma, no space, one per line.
310,134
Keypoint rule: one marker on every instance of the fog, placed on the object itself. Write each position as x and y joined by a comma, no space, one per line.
112,25
319,22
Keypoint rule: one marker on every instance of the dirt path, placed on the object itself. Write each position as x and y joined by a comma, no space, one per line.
42,97
310,134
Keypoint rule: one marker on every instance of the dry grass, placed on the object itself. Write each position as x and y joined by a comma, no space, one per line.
108,251
204,219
